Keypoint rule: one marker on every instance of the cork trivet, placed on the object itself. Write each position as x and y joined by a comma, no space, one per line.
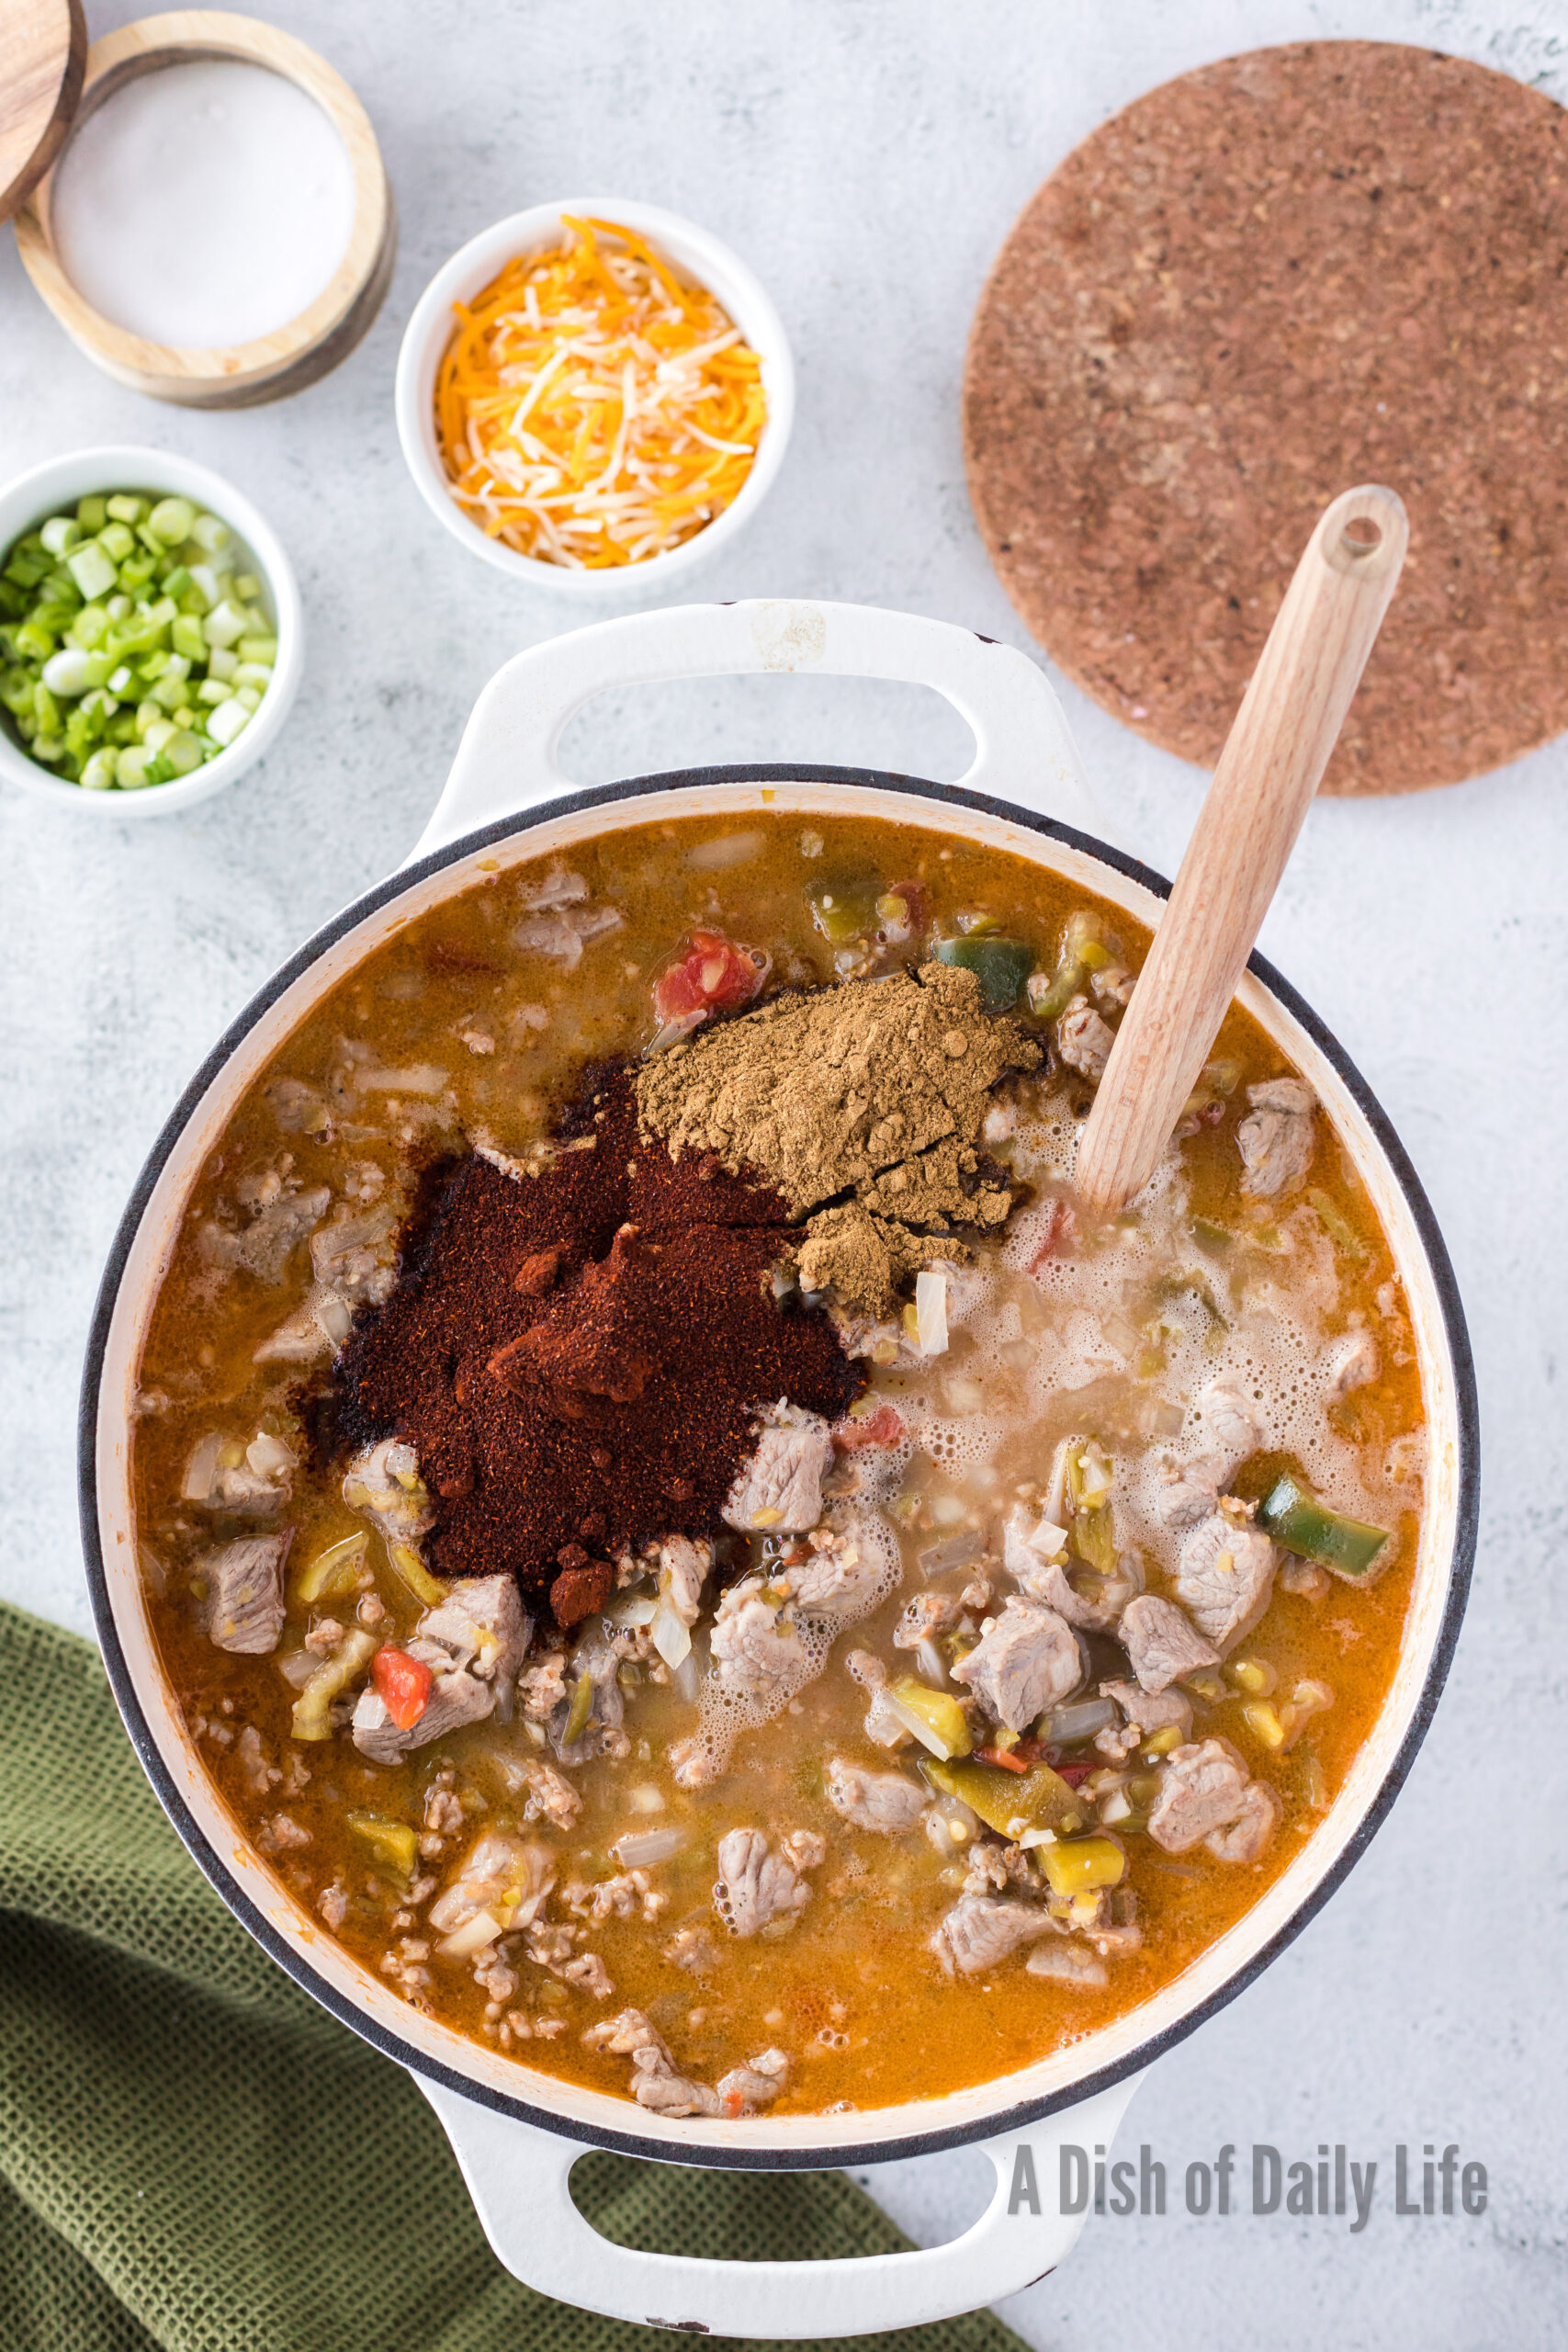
1301,269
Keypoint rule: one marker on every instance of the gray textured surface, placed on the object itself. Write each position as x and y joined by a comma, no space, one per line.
868,161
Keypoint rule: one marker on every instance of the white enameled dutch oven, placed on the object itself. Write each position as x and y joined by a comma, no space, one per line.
517,2133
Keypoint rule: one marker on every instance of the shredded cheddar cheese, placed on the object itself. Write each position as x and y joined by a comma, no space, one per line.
592,410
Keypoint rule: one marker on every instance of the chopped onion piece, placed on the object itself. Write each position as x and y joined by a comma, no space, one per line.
930,1313
471,1936
201,1470
671,1634
639,1848
637,1609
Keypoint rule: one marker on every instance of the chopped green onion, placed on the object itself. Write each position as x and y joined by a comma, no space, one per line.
139,600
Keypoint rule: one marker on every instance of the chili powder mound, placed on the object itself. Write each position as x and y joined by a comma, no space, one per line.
578,1355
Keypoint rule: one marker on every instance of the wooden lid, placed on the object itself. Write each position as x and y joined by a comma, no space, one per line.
44,55
1331,262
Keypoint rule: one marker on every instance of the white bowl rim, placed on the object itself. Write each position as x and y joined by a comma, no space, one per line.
687,243
31,497
990,2108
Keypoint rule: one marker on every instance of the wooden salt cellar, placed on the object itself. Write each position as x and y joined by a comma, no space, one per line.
240,375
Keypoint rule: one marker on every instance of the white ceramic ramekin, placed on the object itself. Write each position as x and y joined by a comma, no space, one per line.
693,251
56,485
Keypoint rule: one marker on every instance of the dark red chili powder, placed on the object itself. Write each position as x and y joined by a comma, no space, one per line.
578,1355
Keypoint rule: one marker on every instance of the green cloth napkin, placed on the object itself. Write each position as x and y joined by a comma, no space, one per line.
195,2157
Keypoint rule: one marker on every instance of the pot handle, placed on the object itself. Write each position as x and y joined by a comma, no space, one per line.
518,2176
506,761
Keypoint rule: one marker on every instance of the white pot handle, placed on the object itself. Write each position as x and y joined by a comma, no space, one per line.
517,2177
506,761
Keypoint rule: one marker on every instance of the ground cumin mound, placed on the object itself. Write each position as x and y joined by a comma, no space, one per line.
875,1088
577,1353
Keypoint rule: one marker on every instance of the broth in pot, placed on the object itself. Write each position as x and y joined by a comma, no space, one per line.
686,1547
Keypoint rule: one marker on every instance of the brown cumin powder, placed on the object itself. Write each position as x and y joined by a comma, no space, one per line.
871,1088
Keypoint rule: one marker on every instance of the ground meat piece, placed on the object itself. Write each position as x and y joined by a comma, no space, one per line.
656,2083
244,1608
354,1255
287,1834
1026,1663
628,1895
332,1905
755,1887
259,1774
781,1487
1277,1138
542,1688
1069,1964
693,1764
281,1216
1111,985
1160,1643
979,1931
1225,1577
589,1972
1204,1790
755,1653
550,1796
993,1868
882,1801
1083,1041
928,1614
755,2084
693,1948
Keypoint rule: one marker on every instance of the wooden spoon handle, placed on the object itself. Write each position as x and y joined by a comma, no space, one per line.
1277,749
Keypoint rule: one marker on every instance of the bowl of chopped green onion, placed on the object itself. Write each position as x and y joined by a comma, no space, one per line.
150,632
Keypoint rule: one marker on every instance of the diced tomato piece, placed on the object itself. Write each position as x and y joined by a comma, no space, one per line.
1004,1757
885,1426
402,1685
715,975
1074,1773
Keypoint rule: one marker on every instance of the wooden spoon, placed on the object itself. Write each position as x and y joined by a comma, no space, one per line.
1274,756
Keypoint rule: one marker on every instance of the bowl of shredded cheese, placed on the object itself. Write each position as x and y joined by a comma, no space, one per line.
594,391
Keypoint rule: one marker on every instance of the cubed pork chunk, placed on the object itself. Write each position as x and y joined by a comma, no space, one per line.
280,1215
1205,1797
981,1930
1161,1643
1247,1837
244,1593
354,1254
1026,1663
482,1626
848,1564
756,1887
888,1802
927,1616
781,1487
757,1655
455,1697
1225,1577
1083,1040
1277,1137
1150,1710
1228,1425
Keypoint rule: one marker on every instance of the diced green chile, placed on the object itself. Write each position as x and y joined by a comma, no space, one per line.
1294,1518
1002,965
1039,1798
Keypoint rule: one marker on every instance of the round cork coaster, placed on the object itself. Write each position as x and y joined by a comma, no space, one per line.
1298,269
